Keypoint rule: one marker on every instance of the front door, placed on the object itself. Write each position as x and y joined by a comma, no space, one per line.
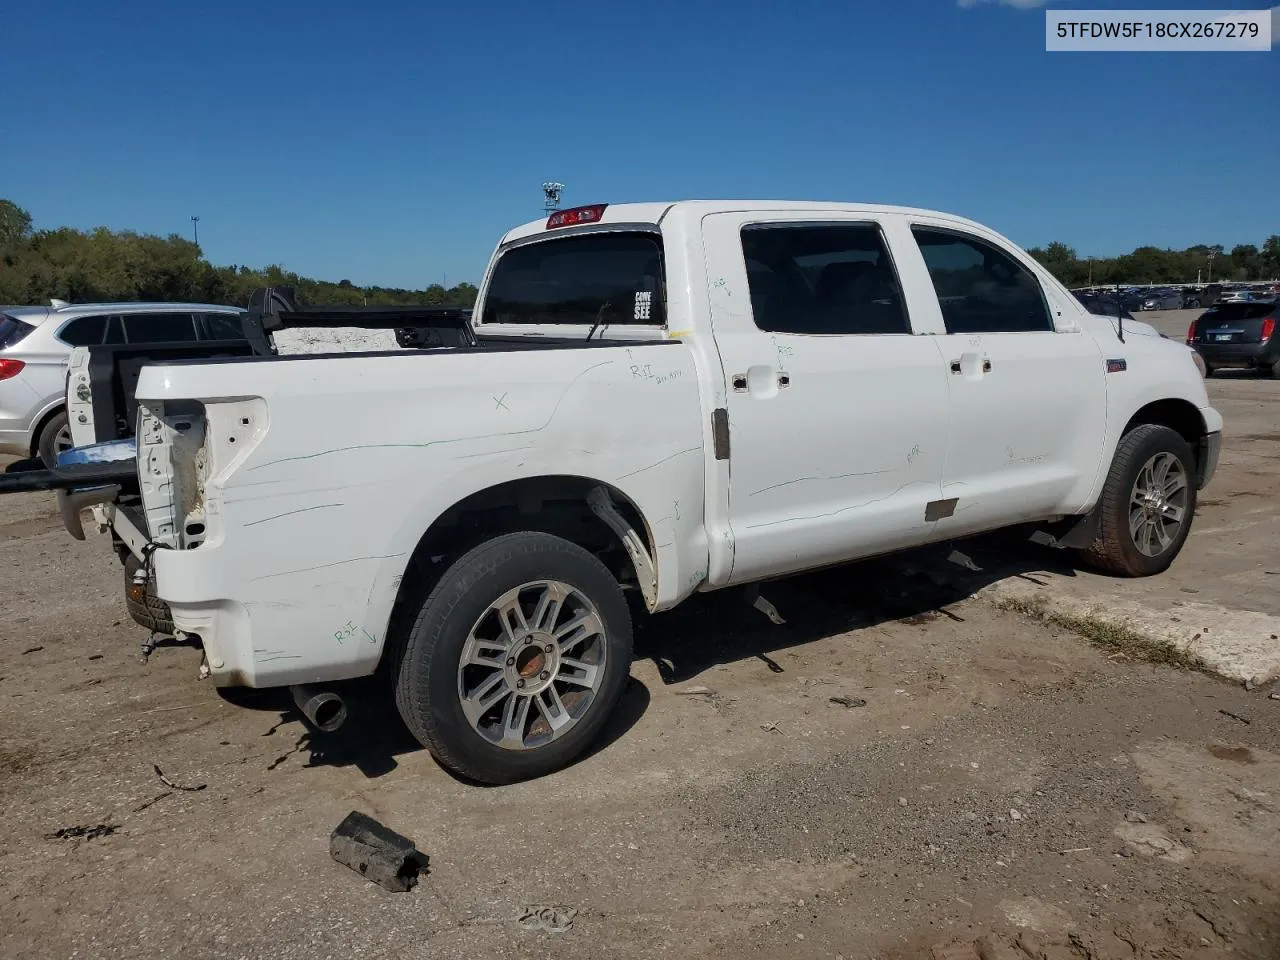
1027,400
836,406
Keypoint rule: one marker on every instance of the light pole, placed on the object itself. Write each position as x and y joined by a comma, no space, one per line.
551,196
1212,254
195,229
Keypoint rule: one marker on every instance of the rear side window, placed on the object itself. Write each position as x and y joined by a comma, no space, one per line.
594,278
822,279
83,331
980,288
222,326
159,327
12,330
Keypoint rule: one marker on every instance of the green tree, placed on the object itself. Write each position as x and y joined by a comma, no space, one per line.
1244,257
15,223
1269,258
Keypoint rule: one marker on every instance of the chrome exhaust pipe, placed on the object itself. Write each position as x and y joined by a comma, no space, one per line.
324,709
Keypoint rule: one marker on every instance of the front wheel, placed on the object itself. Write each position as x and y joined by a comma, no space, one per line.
1147,503
516,659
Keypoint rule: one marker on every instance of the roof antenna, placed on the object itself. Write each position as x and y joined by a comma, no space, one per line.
1119,315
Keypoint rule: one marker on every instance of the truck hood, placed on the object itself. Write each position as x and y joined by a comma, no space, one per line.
1103,326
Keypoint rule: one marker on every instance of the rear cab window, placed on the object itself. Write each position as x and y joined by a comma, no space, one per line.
598,279
1238,312
12,330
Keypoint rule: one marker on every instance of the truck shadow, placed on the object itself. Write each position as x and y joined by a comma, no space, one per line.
910,587
374,737
706,631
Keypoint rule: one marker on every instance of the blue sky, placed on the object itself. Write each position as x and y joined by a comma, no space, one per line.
393,142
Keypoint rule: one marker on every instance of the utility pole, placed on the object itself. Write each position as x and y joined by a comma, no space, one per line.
1212,254
195,229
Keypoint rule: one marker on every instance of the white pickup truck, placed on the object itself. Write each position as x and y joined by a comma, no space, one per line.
661,398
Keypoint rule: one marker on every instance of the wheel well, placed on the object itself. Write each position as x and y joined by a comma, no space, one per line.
1178,415
549,504
41,424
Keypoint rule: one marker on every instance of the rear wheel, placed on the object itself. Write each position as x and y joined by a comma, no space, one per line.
1147,503
516,659
1275,370
54,438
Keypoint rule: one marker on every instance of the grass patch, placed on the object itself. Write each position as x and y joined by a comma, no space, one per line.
1108,635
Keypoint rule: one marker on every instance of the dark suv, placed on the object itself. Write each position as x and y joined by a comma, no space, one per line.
1237,334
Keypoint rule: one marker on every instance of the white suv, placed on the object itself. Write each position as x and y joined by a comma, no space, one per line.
36,342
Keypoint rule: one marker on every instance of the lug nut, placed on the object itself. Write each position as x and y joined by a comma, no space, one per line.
511,661
520,684
544,675
550,647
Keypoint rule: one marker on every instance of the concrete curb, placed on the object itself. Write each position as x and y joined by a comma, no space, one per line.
1237,645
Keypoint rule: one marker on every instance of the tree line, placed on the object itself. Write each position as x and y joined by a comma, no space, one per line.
1151,265
82,266
102,264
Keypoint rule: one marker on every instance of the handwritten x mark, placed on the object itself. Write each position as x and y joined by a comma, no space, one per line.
500,402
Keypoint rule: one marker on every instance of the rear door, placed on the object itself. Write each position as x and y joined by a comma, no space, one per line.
1026,387
836,404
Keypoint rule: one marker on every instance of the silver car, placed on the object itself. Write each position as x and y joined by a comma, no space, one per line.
35,343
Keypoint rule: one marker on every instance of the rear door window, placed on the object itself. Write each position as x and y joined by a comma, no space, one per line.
83,331
159,327
12,330
822,279
588,279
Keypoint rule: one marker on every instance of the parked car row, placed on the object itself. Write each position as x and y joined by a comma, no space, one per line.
1135,298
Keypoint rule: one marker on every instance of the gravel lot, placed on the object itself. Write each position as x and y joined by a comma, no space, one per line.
1008,791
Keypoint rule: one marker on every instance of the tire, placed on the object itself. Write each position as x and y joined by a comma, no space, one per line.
1115,550
148,610
1275,370
55,434
431,680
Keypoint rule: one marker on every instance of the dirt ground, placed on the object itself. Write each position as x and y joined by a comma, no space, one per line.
1007,791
